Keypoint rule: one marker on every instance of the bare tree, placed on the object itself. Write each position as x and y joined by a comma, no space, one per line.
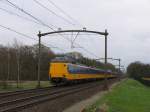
3,65
17,47
8,66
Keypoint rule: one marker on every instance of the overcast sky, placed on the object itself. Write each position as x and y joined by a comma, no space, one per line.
127,22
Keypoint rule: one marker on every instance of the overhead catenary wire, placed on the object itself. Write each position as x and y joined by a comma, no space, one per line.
15,14
90,52
22,17
27,36
20,9
29,14
62,11
37,2
24,35
25,18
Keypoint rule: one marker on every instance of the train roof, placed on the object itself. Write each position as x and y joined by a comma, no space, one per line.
63,60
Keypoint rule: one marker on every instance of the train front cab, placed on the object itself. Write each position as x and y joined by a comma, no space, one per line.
58,72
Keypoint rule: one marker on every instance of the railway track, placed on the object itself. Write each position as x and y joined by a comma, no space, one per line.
24,93
52,94
7,94
21,103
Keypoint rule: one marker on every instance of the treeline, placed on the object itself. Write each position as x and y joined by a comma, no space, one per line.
138,71
20,62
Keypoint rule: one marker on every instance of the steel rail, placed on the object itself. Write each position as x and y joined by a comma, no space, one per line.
7,103
7,94
43,98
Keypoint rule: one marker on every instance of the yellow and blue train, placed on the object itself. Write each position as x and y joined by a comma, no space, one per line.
63,72
146,78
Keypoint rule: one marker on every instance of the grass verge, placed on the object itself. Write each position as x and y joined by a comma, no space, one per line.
128,96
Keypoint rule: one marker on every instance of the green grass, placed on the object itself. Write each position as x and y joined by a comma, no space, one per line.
23,85
128,96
